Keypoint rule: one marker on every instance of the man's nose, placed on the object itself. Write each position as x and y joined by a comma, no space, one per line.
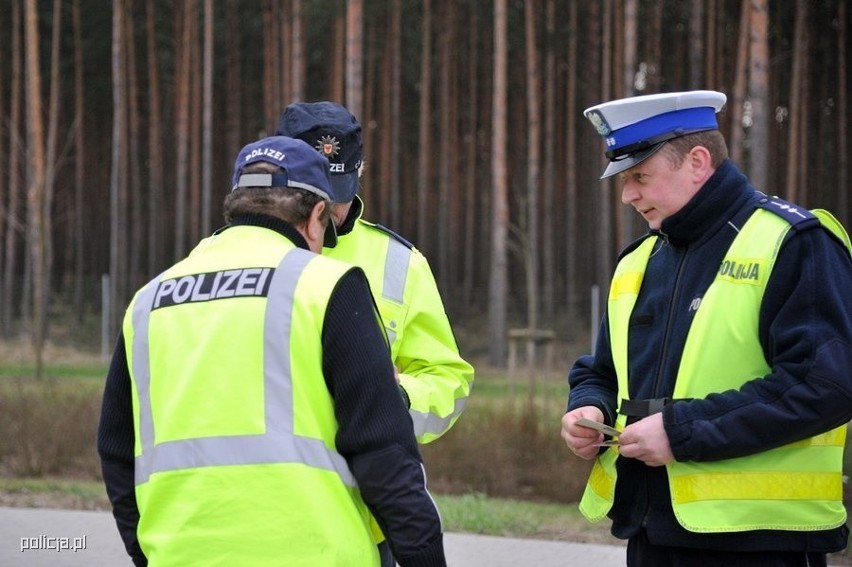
628,193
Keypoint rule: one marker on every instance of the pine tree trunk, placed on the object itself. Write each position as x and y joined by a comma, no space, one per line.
14,202
425,140
796,152
156,226
736,144
207,123
355,57
759,93
76,234
36,182
498,279
118,176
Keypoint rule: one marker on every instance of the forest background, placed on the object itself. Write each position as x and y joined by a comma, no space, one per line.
120,121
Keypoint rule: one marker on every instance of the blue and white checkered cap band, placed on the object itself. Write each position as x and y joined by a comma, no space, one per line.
656,129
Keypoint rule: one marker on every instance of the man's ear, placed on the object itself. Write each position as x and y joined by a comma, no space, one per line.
701,162
315,223
315,228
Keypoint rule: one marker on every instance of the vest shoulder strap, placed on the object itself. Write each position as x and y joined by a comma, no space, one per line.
635,244
793,214
389,232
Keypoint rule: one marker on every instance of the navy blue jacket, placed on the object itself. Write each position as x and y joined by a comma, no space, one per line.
805,332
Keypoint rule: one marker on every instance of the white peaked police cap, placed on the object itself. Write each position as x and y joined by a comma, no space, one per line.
634,128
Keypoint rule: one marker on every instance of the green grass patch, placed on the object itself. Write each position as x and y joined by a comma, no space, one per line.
56,371
480,514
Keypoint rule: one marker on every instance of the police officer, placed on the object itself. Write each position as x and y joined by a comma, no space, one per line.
434,380
723,359
250,414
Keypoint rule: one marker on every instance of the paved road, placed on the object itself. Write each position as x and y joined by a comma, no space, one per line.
97,542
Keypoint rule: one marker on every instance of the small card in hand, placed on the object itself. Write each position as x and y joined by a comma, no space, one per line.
602,427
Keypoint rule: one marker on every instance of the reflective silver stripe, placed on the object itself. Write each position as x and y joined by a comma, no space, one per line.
396,270
425,422
142,375
278,444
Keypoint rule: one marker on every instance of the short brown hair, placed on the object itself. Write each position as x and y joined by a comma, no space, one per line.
677,148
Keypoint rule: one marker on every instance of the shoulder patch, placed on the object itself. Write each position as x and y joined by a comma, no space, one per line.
786,210
391,233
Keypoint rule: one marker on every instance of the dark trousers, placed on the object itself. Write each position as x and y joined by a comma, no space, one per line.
642,553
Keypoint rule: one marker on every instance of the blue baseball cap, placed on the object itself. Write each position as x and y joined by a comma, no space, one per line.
301,168
333,132
634,128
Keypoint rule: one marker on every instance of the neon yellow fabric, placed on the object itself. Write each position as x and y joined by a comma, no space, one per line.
795,487
208,385
436,378
829,221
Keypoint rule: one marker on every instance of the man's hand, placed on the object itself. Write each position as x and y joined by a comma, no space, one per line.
582,440
647,441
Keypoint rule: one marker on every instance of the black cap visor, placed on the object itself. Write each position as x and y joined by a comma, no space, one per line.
624,163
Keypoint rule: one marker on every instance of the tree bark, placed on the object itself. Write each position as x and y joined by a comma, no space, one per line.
759,93
449,146
425,138
156,226
796,147
498,280
337,71
354,57
51,157
604,232
393,128
14,226
630,48
533,165
182,125
736,143
697,52
136,213
297,56
572,233
35,182
548,272
118,178
207,123
79,217
843,115
471,139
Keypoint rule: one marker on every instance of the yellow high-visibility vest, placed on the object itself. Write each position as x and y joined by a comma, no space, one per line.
235,455
418,331
795,487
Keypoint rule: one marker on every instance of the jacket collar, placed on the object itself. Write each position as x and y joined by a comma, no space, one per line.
280,226
718,200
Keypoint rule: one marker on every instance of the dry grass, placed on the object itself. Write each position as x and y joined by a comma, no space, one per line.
505,447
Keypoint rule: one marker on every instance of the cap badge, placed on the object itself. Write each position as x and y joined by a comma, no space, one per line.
328,146
599,123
